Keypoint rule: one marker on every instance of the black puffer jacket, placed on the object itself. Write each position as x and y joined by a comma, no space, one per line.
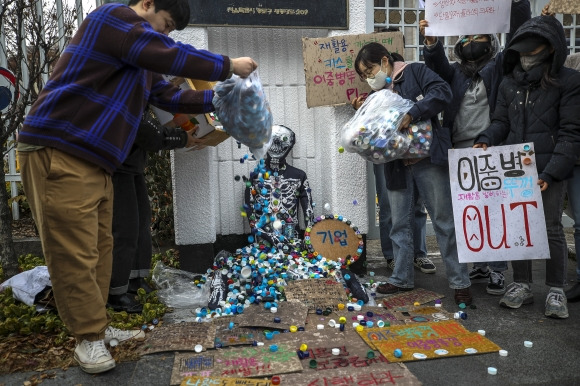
526,112
151,136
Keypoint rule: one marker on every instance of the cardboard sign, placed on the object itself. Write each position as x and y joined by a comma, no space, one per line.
179,337
246,361
427,341
569,7
380,373
334,239
451,18
218,381
317,293
331,78
224,336
289,313
409,298
208,125
497,204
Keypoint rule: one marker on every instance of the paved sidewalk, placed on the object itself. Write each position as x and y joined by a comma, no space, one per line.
554,358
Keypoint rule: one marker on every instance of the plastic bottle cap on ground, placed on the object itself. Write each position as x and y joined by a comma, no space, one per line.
303,347
320,326
527,343
342,320
398,353
438,305
416,304
491,370
503,353
359,328
357,307
293,328
335,351
273,309
275,380
481,332
380,323
360,317
198,348
331,323
340,306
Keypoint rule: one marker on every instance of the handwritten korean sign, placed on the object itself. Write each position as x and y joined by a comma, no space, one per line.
219,381
467,17
331,78
426,341
317,293
497,204
333,238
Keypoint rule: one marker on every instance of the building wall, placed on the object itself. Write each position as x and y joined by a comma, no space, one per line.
207,199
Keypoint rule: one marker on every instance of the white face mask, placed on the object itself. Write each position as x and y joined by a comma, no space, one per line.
379,81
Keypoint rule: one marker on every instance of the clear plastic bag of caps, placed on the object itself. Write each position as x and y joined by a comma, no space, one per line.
372,131
244,112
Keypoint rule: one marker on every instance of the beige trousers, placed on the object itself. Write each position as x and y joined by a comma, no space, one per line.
72,204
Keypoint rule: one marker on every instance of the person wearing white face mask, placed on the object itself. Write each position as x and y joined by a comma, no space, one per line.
378,78
538,102
423,179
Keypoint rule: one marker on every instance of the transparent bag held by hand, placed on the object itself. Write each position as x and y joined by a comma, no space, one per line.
373,131
244,112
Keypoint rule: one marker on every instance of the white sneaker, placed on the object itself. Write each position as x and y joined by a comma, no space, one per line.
123,335
556,304
93,357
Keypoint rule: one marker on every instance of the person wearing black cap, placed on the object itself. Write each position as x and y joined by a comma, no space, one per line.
538,102
474,78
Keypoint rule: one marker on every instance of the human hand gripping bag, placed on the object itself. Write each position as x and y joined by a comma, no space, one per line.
372,131
244,112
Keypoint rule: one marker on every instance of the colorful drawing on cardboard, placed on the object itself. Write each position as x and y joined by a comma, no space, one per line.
380,373
427,341
241,361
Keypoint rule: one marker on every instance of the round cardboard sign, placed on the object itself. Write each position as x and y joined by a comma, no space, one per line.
334,238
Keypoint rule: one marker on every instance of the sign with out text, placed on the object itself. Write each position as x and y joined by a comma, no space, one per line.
497,204
467,17
331,78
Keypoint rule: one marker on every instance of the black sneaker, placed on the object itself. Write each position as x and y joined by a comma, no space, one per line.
125,302
424,264
478,273
496,284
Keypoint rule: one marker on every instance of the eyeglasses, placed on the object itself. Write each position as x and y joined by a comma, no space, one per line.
368,73
477,38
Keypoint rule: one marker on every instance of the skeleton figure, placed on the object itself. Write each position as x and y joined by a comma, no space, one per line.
276,189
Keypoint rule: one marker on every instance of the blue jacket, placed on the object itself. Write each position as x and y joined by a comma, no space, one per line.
491,73
430,94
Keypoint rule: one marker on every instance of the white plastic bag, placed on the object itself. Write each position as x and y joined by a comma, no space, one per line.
373,131
244,112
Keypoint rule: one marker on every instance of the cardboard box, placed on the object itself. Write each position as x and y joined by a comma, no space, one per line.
209,127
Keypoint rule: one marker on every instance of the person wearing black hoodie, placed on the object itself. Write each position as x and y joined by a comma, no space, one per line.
474,79
538,102
132,247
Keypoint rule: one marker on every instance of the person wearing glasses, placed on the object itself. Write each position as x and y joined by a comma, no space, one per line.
474,78
411,180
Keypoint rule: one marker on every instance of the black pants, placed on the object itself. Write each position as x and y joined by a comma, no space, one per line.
131,231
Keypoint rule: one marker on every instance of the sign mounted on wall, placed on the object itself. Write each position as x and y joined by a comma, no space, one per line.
328,14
